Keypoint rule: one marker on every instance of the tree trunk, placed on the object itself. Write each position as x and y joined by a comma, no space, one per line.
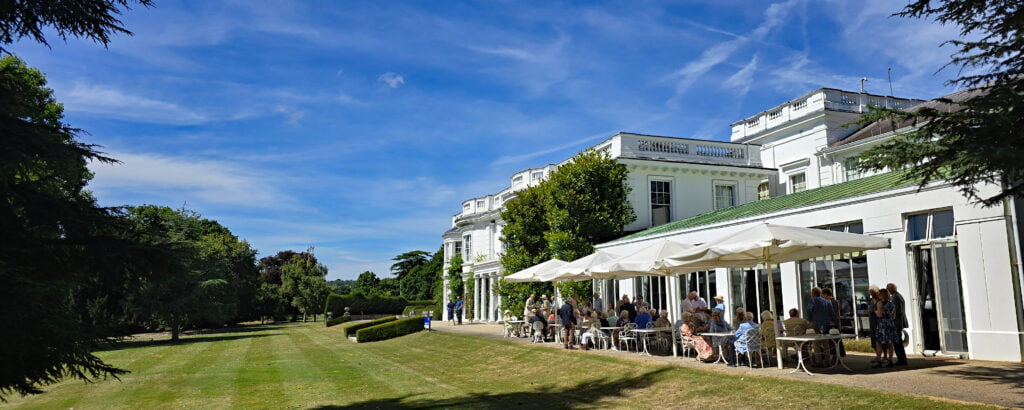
175,329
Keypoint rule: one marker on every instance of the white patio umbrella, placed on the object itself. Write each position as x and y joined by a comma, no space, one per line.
639,263
767,244
530,274
577,270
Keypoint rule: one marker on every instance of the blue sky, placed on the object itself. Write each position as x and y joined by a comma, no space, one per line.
360,127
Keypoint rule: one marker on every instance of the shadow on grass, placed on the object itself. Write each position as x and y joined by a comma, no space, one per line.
200,337
587,394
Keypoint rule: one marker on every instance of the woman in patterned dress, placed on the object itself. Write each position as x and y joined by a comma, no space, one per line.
700,344
886,334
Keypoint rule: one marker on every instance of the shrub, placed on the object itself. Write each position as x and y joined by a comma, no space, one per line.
351,330
393,329
361,304
338,320
859,345
419,308
422,302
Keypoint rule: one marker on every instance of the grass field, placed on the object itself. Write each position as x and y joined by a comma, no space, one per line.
307,365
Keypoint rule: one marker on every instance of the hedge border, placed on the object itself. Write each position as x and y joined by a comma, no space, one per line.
354,329
339,320
390,330
419,308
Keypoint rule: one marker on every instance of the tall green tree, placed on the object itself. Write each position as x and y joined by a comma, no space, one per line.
583,202
456,286
406,262
200,287
66,263
419,283
978,139
303,283
367,282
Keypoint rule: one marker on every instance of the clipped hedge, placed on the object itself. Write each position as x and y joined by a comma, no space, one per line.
390,330
361,304
419,308
351,330
338,320
422,302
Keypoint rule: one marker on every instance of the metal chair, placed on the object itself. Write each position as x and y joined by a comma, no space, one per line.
752,344
538,332
626,335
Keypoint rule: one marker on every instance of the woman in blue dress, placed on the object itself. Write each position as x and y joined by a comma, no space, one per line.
886,334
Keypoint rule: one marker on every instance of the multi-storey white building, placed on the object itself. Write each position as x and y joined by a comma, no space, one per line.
956,263
671,178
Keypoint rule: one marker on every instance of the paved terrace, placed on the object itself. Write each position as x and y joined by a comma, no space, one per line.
996,383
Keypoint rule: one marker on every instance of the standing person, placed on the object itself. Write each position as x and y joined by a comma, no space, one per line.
529,304
719,304
827,294
568,320
819,311
872,316
598,303
629,307
458,309
886,334
900,322
451,311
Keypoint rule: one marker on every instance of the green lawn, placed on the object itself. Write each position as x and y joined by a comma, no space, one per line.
307,365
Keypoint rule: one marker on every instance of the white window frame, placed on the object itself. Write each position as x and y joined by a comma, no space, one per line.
671,197
767,190
714,192
792,185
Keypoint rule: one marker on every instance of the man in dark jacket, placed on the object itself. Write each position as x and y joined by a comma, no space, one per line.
451,311
900,322
568,320
819,311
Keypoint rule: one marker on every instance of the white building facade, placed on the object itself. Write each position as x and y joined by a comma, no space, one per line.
671,178
957,264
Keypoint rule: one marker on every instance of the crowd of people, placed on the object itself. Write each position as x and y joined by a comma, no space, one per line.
886,309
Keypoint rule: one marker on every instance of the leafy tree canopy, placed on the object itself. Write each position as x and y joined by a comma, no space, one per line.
92,19
583,202
977,139
406,262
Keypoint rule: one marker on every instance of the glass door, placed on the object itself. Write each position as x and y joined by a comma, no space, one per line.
940,297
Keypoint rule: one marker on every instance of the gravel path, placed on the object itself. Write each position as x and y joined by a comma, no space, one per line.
996,383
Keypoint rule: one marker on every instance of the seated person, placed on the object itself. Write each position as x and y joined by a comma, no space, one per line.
700,344
768,330
745,341
796,325
642,318
612,318
720,325
662,320
537,317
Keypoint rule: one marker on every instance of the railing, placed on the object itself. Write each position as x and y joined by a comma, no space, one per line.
687,150
663,146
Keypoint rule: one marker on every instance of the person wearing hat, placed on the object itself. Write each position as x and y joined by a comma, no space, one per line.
538,323
719,304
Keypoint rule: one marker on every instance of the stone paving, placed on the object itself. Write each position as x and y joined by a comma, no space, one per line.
996,383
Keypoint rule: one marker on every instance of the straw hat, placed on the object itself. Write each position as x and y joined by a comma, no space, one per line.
543,296
719,297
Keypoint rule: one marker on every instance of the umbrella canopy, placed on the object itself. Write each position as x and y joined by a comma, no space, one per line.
639,263
577,270
530,274
767,244
773,244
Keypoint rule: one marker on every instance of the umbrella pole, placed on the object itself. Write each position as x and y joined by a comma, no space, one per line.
766,256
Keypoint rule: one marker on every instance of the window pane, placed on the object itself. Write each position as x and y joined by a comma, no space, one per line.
917,227
661,202
855,227
725,196
942,224
738,287
806,283
763,192
861,294
798,183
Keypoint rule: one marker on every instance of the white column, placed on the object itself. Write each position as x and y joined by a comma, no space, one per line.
476,298
494,299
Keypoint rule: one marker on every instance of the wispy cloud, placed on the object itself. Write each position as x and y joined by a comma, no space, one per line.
108,102
391,79
188,179
687,75
743,79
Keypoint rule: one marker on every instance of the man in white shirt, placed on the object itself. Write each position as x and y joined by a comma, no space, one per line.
694,303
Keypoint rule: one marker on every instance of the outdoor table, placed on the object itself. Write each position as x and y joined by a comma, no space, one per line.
613,331
521,324
557,329
646,332
803,339
721,354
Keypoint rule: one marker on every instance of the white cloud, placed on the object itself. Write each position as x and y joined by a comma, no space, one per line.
743,79
391,79
293,114
687,75
183,179
108,102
